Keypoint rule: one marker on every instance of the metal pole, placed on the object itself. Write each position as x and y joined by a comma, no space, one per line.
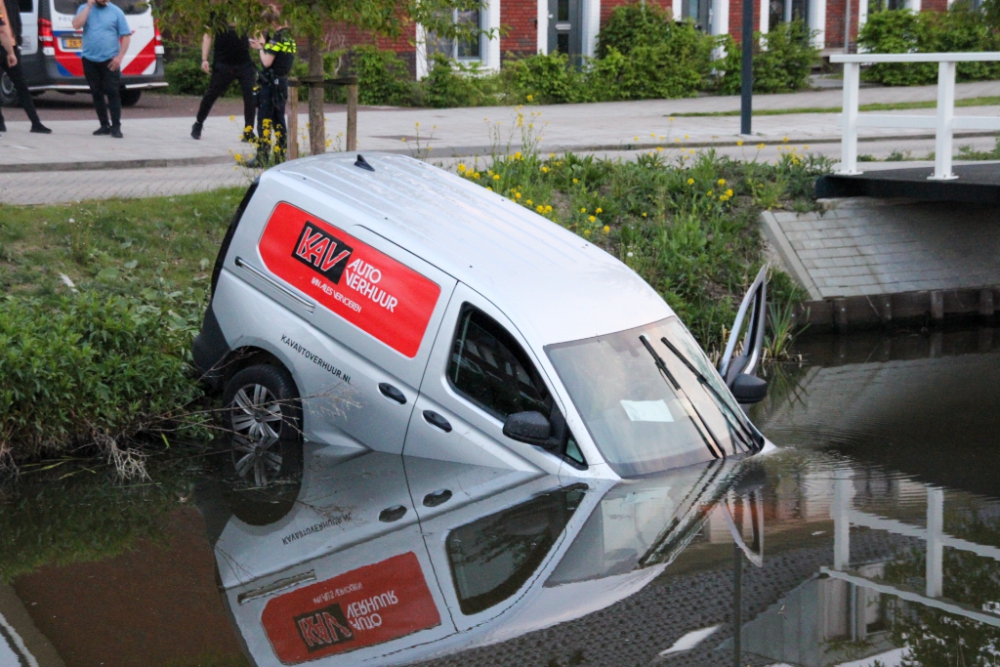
847,26
293,124
737,605
945,115
352,117
746,75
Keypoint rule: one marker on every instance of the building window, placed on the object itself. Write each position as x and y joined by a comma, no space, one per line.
467,48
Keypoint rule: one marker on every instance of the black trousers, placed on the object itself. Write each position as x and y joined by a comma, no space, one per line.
16,75
104,83
271,99
222,77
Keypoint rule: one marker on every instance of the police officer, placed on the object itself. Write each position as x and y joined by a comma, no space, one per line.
10,62
277,55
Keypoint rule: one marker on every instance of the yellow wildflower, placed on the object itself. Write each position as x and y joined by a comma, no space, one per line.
461,167
583,210
599,210
644,215
540,209
739,142
530,97
576,180
607,229
690,181
729,192
592,219
545,169
489,188
232,118
517,195
548,208
496,177
721,181
530,202
587,233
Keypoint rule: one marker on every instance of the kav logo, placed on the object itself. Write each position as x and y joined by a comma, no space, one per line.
323,628
323,252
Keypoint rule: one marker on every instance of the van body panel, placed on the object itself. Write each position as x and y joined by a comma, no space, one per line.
338,388
477,436
29,27
544,277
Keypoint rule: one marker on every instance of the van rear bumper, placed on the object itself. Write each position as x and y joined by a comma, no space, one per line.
83,87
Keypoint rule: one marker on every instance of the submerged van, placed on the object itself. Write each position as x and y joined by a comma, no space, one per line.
388,305
50,52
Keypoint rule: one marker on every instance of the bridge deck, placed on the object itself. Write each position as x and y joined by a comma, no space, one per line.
976,183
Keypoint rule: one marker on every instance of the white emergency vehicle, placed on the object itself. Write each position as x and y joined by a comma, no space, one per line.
50,52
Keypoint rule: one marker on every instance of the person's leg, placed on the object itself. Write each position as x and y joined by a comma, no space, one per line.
16,75
248,76
112,88
3,68
92,72
280,99
220,80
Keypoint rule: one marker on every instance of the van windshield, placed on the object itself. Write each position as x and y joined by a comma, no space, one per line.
639,420
130,7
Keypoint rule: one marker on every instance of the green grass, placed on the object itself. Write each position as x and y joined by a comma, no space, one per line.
893,106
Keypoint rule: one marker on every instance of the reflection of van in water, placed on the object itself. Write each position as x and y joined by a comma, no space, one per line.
50,50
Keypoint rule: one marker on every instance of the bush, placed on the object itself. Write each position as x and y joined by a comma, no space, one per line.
452,84
87,370
185,76
547,78
630,26
961,28
383,78
782,60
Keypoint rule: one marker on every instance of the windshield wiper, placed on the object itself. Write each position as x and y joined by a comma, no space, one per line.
662,366
742,429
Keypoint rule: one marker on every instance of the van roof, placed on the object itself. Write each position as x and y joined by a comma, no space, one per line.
551,282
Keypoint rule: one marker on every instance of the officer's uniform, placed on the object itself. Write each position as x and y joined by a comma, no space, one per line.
12,14
272,86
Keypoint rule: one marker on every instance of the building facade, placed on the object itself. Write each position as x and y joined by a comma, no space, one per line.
572,26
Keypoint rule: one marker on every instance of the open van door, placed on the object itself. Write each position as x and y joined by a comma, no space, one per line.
752,313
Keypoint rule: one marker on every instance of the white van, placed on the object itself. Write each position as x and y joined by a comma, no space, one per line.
50,52
389,305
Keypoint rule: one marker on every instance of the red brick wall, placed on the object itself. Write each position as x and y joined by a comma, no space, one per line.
736,18
520,20
608,6
934,5
835,22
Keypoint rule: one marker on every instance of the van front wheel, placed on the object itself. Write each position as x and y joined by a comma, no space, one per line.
261,410
8,94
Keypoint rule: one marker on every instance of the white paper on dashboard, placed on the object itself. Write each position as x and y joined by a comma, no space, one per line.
647,411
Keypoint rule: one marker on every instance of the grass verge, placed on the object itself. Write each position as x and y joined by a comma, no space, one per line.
893,106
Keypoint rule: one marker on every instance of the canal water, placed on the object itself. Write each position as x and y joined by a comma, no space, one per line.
869,536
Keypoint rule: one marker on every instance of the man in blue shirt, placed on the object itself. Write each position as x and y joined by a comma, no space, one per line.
106,36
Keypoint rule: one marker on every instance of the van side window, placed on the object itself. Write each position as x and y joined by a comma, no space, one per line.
26,6
488,367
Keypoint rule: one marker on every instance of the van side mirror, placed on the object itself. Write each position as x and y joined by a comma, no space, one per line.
749,389
530,427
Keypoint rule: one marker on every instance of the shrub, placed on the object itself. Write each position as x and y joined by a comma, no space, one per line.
547,78
453,84
383,78
677,67
88,370
961,28
633,25
185,76
782,60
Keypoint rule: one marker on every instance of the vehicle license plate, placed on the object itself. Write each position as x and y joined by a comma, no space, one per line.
73,43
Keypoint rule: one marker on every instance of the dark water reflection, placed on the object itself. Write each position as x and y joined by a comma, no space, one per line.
872,533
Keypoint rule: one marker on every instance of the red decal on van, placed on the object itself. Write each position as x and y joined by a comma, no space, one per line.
367,288
371,605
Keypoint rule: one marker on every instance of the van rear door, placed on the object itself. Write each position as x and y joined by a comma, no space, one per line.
29,27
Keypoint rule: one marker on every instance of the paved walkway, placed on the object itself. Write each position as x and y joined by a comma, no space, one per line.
158,157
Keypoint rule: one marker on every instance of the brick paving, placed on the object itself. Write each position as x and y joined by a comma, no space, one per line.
867,247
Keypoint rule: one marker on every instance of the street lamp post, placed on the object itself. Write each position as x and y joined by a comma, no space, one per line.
746,75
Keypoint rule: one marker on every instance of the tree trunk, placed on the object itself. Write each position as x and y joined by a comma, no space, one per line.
317,126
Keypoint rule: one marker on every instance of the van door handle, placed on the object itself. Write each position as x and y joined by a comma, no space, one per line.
390,514
392,393
434,419
437,498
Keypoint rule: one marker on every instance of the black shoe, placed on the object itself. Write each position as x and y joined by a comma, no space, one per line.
38,128
101,131
248,137
196,131
116,132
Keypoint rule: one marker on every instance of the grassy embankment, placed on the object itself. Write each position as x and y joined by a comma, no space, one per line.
105,362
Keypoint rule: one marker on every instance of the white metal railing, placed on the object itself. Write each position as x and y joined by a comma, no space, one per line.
944,123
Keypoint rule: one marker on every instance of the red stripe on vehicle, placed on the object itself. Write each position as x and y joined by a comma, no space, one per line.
141,60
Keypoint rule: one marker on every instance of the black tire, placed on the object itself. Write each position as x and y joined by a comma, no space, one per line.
130,97
262,458
8,94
